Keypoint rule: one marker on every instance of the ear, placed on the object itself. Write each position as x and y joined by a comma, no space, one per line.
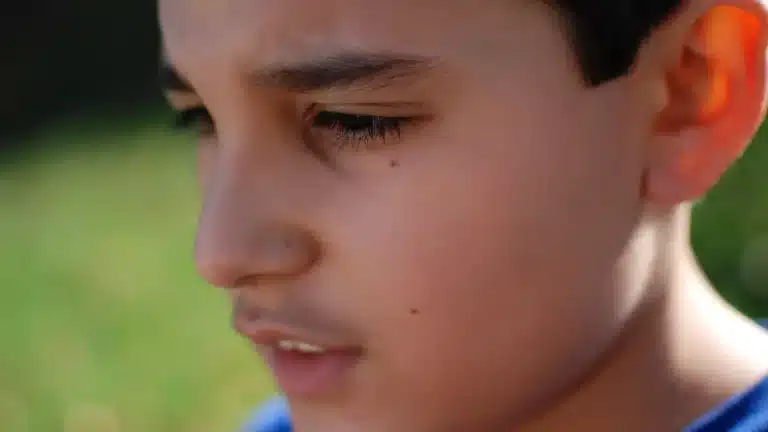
714,82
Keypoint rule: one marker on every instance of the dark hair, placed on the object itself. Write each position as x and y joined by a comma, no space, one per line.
607,34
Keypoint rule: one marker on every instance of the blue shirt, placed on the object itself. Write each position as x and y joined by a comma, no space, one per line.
273,416
746,412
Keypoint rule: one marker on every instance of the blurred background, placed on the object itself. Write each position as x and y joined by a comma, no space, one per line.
104,326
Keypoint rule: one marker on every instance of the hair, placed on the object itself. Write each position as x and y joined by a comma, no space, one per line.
607,34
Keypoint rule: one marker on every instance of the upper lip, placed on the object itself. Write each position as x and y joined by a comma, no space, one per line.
266,333
297,323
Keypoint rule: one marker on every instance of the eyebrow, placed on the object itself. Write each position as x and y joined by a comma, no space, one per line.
342,71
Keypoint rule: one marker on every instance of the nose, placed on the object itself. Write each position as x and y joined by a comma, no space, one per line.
246,232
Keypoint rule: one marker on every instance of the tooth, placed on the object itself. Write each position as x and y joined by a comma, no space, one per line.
309,348
286,345
290,345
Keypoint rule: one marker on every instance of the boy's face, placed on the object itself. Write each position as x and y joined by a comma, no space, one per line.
469,240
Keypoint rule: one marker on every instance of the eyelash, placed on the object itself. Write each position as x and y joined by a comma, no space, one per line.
351,130
355,130
197,118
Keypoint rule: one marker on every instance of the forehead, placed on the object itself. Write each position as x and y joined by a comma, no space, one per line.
282,30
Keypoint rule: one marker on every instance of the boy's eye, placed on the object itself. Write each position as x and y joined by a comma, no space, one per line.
346,130
197,119
355,130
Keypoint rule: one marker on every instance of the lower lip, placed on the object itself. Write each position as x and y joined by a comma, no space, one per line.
305,375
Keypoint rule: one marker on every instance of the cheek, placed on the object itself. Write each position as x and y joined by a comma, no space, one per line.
504,243
514,213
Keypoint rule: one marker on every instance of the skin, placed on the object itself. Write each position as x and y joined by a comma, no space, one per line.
514,259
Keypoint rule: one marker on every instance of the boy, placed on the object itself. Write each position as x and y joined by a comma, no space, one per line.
471,215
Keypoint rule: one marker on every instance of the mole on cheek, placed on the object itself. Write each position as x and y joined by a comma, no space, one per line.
415,311
394,163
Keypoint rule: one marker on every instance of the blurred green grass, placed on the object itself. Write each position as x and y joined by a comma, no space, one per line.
106,327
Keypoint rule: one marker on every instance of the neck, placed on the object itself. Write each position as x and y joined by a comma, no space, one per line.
683,352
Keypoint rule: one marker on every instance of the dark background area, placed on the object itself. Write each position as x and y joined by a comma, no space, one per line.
59,56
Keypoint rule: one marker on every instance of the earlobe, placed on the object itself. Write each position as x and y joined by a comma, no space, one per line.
715,100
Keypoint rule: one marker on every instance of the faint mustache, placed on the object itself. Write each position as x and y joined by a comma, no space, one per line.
297,316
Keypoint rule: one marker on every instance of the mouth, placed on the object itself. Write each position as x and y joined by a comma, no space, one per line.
304,365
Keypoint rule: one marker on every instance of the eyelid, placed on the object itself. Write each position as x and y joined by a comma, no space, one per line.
400,110
181,100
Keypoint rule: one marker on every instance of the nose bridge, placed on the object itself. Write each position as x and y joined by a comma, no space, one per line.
247,228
